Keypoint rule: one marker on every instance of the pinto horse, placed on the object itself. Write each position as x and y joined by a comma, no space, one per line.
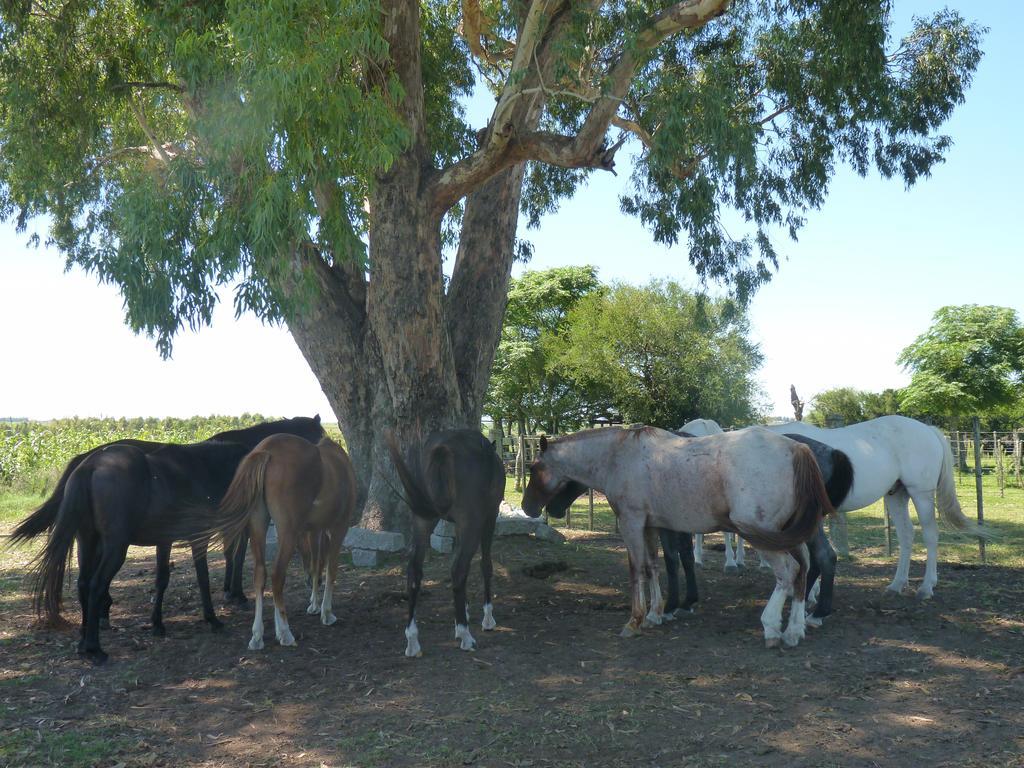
457,476
898,459
310,493
764,486
837,473
43,519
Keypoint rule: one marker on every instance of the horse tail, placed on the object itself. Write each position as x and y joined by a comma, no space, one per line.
810,504
841,480
417,495
50,565
245,491
43,518
945,496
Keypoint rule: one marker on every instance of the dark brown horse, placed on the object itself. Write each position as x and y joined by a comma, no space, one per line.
310,493
455,475
44,518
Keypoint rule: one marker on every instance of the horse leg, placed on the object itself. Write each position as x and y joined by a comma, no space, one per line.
897,507
88,557
258,537
730,557
311,554
924,503
465,548
796,626
285,549
114,553
654,615
685,547
740,552
414,576
823,559
201,563
632,530
671,552
487,570
234,563
771,618
163,577
333,546
698,550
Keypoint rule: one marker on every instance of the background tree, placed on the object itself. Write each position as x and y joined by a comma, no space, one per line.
971,360
524,390
853,405
663,355
317,153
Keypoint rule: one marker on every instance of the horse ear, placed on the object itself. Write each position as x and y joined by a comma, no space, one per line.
543,443
316,418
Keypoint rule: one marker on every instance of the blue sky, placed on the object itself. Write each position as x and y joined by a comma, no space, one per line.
863,281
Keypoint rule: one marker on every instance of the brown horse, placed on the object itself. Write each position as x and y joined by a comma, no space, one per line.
761,485
310,492
456,476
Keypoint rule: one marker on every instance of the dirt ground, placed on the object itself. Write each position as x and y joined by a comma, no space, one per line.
887,681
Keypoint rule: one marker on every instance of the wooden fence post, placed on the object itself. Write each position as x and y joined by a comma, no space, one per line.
1016,457
977,482
997,448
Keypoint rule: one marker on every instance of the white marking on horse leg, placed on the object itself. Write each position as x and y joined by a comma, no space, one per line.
284,632
796,627
488,623
313,606
897,506
698,550
256,643
812,598
764,563
730,558
740,553
466,641
412,641
327,617
930,534
654,615
771,618
813,621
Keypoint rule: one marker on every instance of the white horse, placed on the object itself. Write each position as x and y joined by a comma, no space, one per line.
899,459
734,551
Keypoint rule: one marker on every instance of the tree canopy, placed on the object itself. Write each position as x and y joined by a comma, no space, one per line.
852,405
524,388
318,154
969,361
661,355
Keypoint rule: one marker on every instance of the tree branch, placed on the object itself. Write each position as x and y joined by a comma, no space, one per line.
503,146
140,117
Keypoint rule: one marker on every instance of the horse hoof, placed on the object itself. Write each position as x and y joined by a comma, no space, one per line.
651,620
414,653
630,630
312,608
813,621
105,623
731,567
668,616
896,589
328,620
256,644
98,657
488,624
287,639
159,631
792,639
924,594
772,642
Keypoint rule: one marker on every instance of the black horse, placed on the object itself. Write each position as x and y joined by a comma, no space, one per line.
46,516
456,476
836,471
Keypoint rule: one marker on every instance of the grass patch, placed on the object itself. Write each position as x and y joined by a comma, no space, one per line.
14,506
68,749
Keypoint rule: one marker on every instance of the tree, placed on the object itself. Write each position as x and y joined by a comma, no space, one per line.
845,402
524,389
969,361
663,354
317,152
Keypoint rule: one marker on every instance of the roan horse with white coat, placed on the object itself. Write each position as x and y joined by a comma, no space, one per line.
761,485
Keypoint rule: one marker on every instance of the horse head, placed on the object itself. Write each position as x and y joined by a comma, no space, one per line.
548,489
303,426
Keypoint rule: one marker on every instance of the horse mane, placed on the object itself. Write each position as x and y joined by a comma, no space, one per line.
632,430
